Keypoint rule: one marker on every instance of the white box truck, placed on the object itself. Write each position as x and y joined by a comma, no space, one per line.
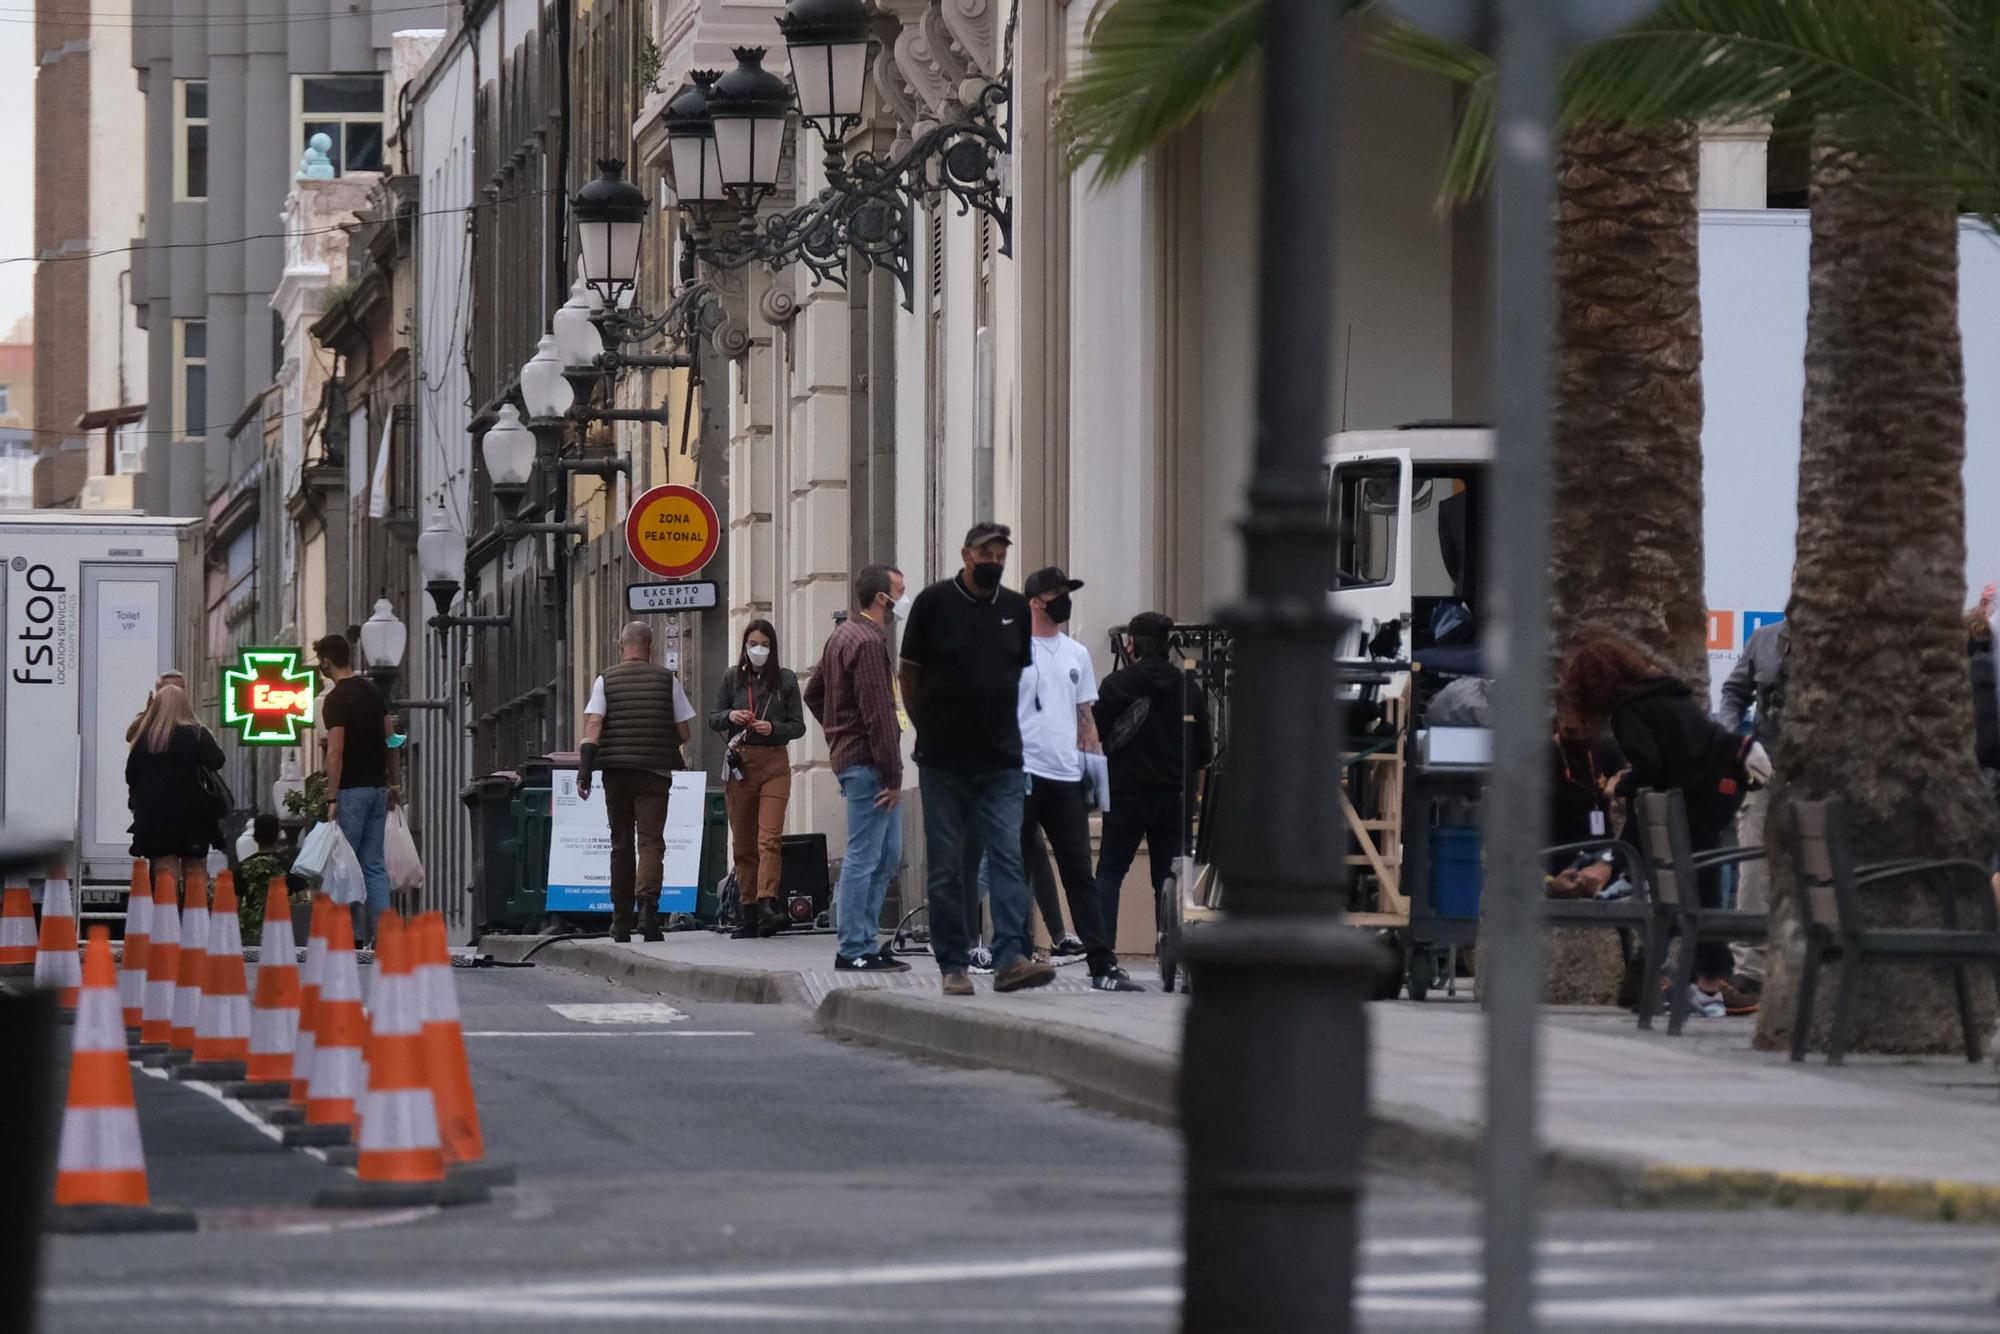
95,606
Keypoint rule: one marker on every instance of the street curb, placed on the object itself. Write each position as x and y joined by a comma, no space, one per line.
1131,1079
1098,1070
1117,1075
671,977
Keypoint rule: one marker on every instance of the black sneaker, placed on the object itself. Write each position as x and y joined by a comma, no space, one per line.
869,963
1068,950
1117,979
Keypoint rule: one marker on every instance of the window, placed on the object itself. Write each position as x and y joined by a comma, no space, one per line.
1364,524
190,139
6,399
131,446
190,378
346,108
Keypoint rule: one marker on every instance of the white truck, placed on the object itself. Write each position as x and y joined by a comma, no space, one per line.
95,605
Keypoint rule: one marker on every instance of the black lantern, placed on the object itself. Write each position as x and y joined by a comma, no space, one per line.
609,214
748,108
691,144
827,41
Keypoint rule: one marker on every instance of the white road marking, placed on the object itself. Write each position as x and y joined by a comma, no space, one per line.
621,1012
611,1033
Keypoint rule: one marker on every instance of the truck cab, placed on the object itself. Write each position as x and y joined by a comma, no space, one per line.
1409,509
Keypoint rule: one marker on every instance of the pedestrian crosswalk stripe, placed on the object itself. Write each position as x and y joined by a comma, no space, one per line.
627,1012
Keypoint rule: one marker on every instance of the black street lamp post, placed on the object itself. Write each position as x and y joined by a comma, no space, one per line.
1274,1089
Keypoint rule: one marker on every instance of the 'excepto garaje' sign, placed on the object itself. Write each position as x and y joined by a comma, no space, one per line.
672,530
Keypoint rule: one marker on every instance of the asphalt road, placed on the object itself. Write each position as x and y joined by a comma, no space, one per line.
722,1167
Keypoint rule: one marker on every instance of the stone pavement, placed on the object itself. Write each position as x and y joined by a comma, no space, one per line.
1628,1116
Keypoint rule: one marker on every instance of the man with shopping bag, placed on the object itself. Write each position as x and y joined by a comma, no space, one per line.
361,771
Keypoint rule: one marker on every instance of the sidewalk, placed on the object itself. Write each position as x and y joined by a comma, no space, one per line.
1628,1117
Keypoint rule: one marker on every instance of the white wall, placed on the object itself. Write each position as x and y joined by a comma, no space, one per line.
443,162
1753,315
1392,344
117,215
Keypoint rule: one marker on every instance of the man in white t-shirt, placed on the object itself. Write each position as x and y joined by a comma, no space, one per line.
1056,723
633,728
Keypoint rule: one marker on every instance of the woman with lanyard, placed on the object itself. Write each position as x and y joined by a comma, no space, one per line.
1586,771
758,709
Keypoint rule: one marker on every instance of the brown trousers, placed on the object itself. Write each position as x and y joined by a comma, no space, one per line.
757,819
637,803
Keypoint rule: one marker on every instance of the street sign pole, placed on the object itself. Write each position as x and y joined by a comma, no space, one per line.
1526,34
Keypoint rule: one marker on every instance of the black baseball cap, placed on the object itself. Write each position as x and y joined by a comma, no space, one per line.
1050,580
988,531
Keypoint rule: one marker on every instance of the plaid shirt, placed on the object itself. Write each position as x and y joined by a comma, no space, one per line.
850,694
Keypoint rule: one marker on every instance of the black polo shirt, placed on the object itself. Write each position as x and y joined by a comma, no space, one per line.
973,651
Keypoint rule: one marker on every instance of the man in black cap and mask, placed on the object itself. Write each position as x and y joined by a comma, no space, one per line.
964,649
1054,703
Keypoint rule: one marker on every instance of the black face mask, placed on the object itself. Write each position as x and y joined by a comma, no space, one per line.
1058,609
986,575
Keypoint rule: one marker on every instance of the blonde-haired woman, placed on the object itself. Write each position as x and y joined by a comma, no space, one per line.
170,812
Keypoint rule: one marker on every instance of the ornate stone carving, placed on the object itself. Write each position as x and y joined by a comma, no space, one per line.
778,304
732,338
974,28
897,96
933,69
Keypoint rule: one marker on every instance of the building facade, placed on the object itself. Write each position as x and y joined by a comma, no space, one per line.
89,204
231,107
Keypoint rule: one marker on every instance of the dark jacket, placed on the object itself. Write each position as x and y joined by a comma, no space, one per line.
1985,709
640,732
170,816
1156,757
1670,742
779,707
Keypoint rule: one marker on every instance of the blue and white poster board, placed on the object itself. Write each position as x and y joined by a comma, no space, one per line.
580,845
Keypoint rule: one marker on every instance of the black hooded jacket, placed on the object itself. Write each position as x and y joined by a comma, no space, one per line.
1670,742
1152,761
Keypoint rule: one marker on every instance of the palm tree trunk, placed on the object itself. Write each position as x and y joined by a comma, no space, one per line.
1878,702
1628,540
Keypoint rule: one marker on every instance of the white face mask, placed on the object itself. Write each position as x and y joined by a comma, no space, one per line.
759,654
901,609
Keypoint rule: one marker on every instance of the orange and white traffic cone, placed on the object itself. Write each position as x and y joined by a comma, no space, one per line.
400,1160
163,969
17,932
194,960
101,1168
444,1047
339,1028
138,943
274,1012
310,977
222,1037
57,967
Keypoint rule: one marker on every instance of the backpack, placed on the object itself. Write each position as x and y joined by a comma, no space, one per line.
1722,780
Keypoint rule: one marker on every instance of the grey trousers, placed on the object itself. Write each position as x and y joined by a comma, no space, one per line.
1753,879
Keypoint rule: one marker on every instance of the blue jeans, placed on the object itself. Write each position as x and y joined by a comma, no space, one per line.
874,852
364,816
961,809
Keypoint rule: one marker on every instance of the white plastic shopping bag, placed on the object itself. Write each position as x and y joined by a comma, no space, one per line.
399,851
315,848
326,856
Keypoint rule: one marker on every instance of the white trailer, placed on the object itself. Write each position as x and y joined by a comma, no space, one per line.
95,606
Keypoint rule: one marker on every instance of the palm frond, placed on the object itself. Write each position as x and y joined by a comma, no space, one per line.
1153,67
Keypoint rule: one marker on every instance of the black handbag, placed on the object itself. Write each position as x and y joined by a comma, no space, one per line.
1128,724
216,798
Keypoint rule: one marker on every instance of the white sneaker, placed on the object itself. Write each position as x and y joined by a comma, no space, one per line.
1068,950
1705,1004
980,960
